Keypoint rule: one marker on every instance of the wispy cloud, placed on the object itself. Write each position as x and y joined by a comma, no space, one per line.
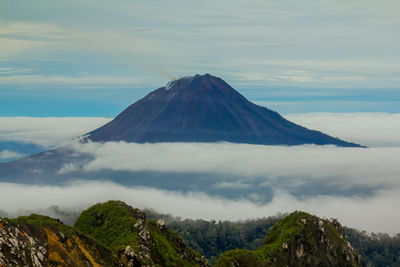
338,43
48,131
43,80
377,213
370,129
281,166
324,180
7,154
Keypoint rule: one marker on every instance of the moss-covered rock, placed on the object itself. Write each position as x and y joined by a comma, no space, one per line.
299,239
106,234
136,240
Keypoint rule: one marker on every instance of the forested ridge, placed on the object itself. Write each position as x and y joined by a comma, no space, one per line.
212,238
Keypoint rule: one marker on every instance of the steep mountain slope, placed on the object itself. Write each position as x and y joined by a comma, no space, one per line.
115,234
107,234
138,241
299,239
204,108
42,241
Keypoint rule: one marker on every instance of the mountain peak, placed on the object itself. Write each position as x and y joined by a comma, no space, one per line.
204,108
185,82
300,239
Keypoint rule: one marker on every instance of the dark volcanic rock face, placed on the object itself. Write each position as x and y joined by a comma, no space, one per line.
204,108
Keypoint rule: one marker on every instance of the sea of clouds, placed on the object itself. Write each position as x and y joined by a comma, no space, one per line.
359,186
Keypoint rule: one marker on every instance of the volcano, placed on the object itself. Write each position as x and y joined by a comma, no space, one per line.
204,108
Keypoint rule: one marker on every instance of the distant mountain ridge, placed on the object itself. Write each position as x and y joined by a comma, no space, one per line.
204,108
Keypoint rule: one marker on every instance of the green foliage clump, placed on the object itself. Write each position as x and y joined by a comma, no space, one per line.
241,257
376,249
212,238
285,229
169,247
109,223
299,239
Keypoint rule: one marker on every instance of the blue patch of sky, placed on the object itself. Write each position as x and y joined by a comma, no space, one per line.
110,102
303,57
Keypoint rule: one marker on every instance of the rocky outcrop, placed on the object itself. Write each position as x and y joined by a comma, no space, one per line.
19,246
136,240
107,234
41,241
115,234
299,239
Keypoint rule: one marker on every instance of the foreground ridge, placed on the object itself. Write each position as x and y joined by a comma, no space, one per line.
106,234
299,239
115,234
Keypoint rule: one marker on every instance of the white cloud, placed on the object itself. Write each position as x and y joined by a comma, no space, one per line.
284,166
369,129
7,154
338,43
21,36
230,184
378,213
47,131
373,171
76,80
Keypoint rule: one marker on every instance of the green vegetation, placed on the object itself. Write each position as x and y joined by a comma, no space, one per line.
258,242
378,250
299,239
116,225
63,245
169,246
241,257
212,238
40,220
110,224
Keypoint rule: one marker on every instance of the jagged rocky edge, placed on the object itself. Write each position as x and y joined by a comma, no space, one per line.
295,251
46,241
147,246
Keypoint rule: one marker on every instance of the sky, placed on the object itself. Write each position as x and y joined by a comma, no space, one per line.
94,58
68,67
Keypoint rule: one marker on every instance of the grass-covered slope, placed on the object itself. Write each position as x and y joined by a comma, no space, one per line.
136,240
299,239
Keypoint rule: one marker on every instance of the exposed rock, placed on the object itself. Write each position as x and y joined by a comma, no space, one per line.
36,240
139,225
300,251
20,247
145,242
144,235
161,224
299,239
